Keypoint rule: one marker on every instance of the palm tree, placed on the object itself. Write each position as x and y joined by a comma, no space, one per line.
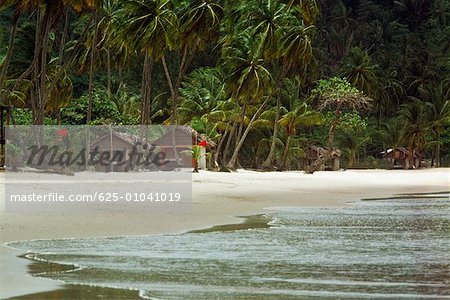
267,19
358,69
265,123
389,92
309,8
393,133
12,36
199,24
294,52
102,44
201,92
47,13
127,104
150,26
249,81
415,115
17,97
413,11
438,102
351,144
62,94
197,153
301,116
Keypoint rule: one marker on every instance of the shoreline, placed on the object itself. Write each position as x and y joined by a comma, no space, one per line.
70,291
218,198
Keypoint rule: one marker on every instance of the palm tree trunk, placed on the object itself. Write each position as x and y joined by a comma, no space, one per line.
241,126
148,94
108,71
146,89
173,117
66,64
181,73
230,138
34,94
12,38
34,64
43,72
143,88
285,153
268,162
91,71
438,151
39,95
64,35
217,154
232,163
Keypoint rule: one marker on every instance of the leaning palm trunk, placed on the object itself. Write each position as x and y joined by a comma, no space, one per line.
230,138
268,162
219,147
241,126
185,61
174,86
232,163
12,38
170,84
285,153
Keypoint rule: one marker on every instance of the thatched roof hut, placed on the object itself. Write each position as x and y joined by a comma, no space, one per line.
401,157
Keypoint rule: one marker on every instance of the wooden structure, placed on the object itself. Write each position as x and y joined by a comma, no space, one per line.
313,153
175,144
401,157
179,140
114,142
5,118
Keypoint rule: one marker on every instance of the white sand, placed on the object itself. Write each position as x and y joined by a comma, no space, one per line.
217,199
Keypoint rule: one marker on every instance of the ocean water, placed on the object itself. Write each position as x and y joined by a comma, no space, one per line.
392,249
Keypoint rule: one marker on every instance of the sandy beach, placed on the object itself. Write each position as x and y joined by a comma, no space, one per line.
218,198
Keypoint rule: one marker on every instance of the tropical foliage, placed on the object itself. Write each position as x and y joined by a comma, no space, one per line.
263,79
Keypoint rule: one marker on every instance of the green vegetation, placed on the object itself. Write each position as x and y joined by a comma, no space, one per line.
263,79
196,153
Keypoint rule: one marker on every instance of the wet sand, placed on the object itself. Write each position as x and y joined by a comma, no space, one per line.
217,199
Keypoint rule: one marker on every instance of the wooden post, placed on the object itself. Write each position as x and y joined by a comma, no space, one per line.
336,164
5,117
